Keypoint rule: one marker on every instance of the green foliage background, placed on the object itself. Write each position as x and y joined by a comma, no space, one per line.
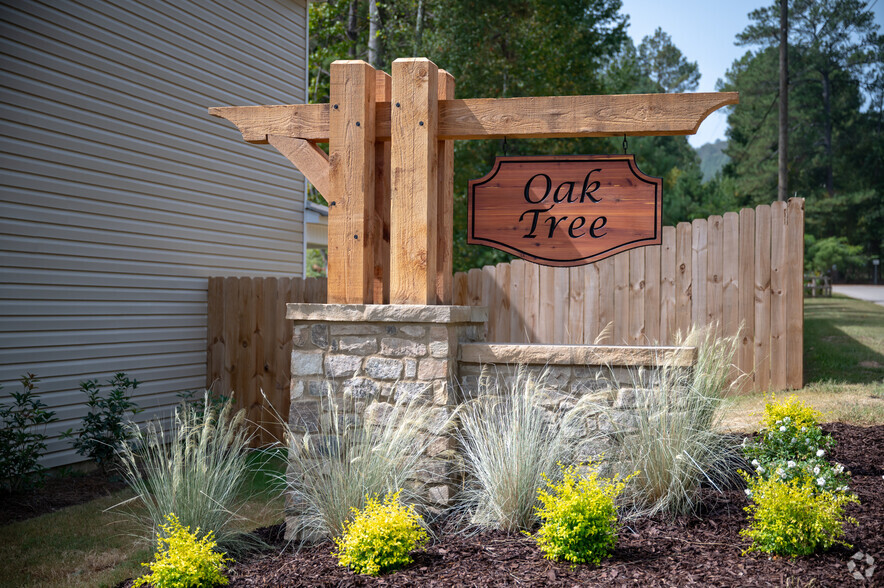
504,48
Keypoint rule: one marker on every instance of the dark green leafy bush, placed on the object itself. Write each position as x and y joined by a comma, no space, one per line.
22,437
104,428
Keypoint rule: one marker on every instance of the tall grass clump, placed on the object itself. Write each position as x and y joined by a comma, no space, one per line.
349,456
513,439
671,437
196,469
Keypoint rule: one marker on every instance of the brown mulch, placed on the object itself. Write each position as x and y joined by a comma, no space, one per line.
56,493
654,552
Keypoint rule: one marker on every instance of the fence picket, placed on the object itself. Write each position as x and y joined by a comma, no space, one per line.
652,295
683,278
621,299
778,300
698,272
746,313
762,297
668,271
576,306
795,292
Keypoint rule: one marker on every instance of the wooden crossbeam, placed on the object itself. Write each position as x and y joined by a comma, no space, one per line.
495,118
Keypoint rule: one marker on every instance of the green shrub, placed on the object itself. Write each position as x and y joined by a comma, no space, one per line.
381,536
793,518
512,439
184,559
579,517
348,457
672,435
790,410
22,437
197,470
105,428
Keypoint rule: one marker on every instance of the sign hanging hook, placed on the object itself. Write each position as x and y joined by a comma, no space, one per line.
504,145
625,144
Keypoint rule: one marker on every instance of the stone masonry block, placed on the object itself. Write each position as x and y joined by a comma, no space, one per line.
319,336
439,348
383,368
305,363
355,329
357,345
408,391
431,369
296,389
413,331
360,388
341,366
410,368
396,347
300,335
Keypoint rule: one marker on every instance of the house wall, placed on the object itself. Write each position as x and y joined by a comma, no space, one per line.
120,195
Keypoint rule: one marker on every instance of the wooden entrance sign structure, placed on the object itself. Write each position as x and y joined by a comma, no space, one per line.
388,176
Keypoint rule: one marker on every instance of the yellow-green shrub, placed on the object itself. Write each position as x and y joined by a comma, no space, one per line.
579,516
791,410
380,537
793,517
183,560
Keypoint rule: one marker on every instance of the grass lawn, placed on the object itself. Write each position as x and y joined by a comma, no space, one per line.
843,365
88,546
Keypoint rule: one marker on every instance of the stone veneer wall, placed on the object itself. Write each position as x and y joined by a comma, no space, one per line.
382,353
385,353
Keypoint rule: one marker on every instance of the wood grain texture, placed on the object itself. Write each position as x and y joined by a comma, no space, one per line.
352,177
517,301
560,296
637,334
500,307
699,256
308,158
667,286
495,118
778,301
576,304
607,306
590,303
565,210
381,274
762,297
445,202
621,299
415,182
461,289
652,294
746,348
684,302
531,303
730,274
490,299
546,315
795,292
714,267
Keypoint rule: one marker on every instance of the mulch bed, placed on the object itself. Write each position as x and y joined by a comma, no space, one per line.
56,493
654,552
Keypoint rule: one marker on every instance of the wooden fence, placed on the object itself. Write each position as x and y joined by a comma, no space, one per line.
741,271
250,344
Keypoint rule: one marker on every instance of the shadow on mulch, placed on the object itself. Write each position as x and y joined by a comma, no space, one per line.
650,553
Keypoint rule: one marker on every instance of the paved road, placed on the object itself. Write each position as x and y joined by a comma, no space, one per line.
871,293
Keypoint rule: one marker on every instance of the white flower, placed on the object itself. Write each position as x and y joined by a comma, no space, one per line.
780,422
748,492
786,420
844,488
755,463
790,464
760,470
839,468
792,441
821,481
816,470
820,453
781,473
803,429
782,429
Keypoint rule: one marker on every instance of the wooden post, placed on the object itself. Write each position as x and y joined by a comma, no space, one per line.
414,122
445,203
351,174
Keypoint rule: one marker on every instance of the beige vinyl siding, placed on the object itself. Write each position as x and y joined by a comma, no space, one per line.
120,195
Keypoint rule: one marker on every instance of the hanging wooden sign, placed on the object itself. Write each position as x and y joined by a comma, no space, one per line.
565,210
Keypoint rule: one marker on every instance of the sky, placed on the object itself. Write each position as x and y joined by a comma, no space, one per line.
704,31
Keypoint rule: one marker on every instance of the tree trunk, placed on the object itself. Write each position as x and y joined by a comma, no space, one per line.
352,31
783,150
374,43
827,138
419,29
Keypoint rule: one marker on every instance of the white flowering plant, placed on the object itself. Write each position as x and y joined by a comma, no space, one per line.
826,476
787,440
